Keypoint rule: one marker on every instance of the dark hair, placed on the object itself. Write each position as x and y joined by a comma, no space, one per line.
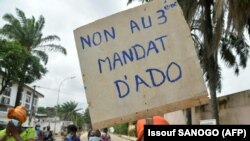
37,126
94,133
72,128
105,130
48,128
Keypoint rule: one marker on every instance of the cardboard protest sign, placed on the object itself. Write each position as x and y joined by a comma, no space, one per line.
139,63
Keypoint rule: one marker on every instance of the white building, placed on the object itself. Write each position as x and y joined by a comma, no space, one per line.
8,98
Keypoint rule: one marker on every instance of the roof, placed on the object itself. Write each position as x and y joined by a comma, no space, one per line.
36,92
41,115
239,92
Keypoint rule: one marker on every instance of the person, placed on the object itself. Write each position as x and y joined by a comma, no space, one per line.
94,135
39,133
155,120
105,136
14,130
71,133
48,136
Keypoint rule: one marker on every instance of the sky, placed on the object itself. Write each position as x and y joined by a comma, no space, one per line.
61,18
64,16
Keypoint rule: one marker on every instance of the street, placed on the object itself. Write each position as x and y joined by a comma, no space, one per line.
113,138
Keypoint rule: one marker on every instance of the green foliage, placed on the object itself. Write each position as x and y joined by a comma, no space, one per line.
86,116
13,57
50,111
28,32
68,110
78,120
121,128
132,133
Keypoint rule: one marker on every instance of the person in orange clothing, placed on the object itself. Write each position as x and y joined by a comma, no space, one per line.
14,130
155,120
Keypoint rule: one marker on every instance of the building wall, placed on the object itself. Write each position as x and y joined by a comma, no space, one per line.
25,94
13,94
233,109
12,97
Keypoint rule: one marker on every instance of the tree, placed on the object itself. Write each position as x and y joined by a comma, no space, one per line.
28,32
121,129
78,119
69,110
50,111
86,117
214,37
13,56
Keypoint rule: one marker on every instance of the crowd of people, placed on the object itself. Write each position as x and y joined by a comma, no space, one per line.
15,132
45,134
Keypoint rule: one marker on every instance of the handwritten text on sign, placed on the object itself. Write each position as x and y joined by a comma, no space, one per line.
136,52
138,61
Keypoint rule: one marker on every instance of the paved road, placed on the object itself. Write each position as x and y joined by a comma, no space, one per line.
84,138
113,138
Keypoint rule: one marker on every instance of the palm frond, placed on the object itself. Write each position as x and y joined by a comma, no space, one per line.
40,23
143,1
238,14
12,32
129,1
226,53
49,38
41,54
21,15
189,9
10,18
53,48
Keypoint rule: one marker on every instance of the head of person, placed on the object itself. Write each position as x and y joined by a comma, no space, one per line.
37,127
17,115
71,129
155,120
95,135
105,130
48,128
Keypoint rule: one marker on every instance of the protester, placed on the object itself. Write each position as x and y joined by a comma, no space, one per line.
39,133
94,135
71,133
48,135
155,120
105,136
14,130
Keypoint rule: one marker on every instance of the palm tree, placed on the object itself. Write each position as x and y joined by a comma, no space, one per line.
214,37
68,110
87,118
28,32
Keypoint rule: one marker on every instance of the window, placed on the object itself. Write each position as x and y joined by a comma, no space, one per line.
5,100
27,106
6,96
7,92
28,99
35,102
